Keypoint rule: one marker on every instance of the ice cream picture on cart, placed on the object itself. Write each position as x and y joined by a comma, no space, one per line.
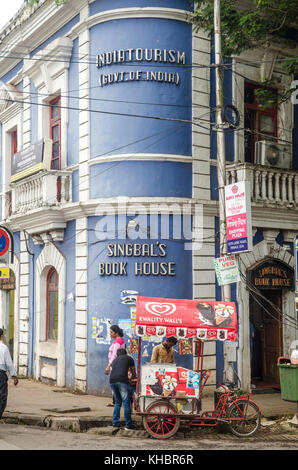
168,393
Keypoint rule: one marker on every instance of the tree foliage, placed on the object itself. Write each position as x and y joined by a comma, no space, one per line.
36,2
267,23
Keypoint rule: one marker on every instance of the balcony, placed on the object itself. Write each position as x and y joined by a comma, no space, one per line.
269,186
36,201
45,189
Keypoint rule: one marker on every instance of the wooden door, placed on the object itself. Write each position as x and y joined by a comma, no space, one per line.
272,335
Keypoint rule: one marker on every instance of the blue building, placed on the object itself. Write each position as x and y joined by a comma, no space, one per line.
109,183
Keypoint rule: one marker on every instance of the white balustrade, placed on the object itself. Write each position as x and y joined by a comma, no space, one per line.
43,190
273,186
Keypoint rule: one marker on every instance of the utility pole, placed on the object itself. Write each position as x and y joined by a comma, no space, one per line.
221,161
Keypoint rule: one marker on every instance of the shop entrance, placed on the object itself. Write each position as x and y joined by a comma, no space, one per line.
265,337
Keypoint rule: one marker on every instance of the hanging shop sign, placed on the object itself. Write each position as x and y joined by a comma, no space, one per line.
272,274
7,283
140,268
226,269
4,272
238,217
32,159
135,56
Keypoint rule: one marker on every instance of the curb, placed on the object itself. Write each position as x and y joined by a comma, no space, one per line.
64,423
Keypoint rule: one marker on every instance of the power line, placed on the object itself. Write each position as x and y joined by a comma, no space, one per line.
185,121
253,290
89,98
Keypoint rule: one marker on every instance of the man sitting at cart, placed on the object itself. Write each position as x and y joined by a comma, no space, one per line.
164,352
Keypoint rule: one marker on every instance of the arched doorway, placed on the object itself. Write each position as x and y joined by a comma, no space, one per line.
268,281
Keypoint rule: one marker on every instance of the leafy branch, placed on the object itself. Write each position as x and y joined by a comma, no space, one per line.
266,23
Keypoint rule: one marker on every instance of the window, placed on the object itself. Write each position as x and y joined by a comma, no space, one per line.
261,123
55,132
14,142
52,305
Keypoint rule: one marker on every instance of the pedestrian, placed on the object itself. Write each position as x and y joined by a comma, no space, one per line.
6,365
119,382
116,334
164,352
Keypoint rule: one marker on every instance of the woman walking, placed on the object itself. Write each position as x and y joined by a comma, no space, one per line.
116,334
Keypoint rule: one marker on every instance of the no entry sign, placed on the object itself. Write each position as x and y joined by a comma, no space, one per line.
4,242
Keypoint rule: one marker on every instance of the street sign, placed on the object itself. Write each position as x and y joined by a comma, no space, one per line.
226,270
4,242
238,217
4,272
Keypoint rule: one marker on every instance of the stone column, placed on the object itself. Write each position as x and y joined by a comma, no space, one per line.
81,304
24,308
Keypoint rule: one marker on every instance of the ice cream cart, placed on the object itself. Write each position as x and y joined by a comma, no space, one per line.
168,394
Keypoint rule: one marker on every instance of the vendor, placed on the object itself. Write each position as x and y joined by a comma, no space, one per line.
164,352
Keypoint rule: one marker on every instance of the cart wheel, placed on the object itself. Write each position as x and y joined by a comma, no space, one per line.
248,418
158,425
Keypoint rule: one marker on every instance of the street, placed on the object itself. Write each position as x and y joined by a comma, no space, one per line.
18,437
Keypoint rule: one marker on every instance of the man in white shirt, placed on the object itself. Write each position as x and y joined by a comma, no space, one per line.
6,365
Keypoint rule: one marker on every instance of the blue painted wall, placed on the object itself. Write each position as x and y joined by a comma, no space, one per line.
114,127
104,295
136,178
61,32
9,75
73,102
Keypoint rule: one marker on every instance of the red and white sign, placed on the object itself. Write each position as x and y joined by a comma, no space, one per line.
238,217
165,380
186,318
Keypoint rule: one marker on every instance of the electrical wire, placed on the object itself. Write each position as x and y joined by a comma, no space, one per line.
291,321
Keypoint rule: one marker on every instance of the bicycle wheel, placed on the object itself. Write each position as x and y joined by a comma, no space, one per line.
246,418
158,425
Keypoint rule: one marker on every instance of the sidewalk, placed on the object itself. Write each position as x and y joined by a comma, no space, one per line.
36,403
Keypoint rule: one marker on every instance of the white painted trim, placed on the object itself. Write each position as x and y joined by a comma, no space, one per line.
126,13
15,121
50,256
141,157
16,270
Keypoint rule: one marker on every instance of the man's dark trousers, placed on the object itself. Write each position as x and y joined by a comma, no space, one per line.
3,391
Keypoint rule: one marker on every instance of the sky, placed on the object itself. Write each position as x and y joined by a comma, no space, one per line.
7,11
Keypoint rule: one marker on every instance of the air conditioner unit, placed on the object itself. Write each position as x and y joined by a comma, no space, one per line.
269,153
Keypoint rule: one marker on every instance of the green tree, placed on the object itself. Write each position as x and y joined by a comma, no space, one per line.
266,23
36,2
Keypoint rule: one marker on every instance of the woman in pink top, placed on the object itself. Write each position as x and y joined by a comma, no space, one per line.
116,333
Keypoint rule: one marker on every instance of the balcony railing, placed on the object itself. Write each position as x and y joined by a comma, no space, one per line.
43,190
268,185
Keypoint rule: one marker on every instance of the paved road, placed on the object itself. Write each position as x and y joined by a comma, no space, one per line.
18,437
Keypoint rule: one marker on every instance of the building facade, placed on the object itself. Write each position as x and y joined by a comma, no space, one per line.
109,184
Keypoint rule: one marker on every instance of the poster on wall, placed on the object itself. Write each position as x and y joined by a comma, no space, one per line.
226,270
238,217
101,330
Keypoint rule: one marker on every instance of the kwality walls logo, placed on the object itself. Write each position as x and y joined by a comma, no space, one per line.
294,96
160,308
